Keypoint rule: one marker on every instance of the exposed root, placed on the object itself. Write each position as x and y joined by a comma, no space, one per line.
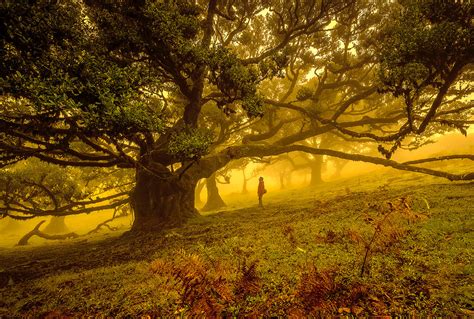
24,240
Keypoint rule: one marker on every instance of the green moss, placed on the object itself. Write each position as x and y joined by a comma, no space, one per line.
427,271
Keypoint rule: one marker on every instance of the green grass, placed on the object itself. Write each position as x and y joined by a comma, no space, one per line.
306,261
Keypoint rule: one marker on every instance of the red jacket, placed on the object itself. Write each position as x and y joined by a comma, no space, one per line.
261,188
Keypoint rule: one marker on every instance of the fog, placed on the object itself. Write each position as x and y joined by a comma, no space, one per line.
236,159
11,231
444,145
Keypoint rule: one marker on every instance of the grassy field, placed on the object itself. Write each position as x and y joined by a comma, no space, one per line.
384,244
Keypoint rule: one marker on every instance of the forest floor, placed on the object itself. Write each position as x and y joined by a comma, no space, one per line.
385,244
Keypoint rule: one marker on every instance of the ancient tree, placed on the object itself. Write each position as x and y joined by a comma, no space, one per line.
173,91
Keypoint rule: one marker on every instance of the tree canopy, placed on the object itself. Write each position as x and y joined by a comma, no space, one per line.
175,90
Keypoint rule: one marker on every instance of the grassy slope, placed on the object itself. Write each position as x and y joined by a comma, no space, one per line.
299,255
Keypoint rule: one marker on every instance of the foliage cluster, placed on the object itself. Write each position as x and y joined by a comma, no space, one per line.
424,44
190,143
54,63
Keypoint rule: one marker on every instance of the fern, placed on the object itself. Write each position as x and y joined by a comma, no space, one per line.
315,289
289,232
388,227
205,288
248,282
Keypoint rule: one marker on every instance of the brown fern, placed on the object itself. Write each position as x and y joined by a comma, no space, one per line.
248,281
315,289
388,227
202,290
289,232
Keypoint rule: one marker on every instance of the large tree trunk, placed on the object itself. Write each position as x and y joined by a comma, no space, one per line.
316,171
214,200
160,203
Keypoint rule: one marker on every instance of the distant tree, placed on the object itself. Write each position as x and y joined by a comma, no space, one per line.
56,225
214,199
242,165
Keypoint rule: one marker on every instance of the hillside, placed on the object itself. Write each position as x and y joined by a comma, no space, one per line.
389,243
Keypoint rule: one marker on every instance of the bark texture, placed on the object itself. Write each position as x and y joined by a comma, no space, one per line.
161,202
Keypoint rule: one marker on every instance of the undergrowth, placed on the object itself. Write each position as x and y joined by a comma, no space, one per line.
218,288
399,252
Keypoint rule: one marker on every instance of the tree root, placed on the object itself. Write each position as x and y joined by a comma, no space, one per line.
36,232
24,240
103,224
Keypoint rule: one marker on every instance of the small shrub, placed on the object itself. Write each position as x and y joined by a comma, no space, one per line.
248,281
202,290
315,289
207,288
388,227
330,237
289,233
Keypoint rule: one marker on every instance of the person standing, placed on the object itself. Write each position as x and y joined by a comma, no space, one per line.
261,190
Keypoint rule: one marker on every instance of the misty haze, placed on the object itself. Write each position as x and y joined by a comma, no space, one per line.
236,159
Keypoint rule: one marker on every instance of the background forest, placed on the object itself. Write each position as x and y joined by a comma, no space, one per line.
133,133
